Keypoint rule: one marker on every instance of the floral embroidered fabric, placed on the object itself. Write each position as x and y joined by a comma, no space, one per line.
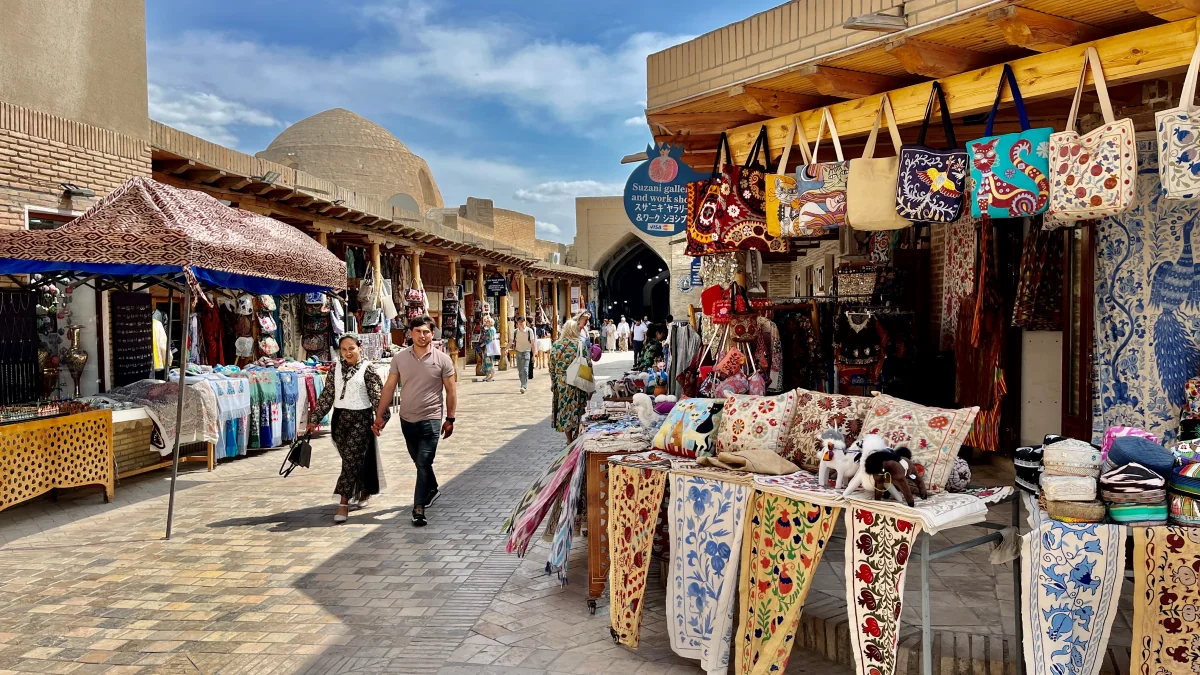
877,551
756,422
958,280
633,514
707,517
1072,576
817,412
934,435
1166,601
784,541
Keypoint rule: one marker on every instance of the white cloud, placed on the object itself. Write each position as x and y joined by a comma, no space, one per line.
560,190
547,229
204,114
636,121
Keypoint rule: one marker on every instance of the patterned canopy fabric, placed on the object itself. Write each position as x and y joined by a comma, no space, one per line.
145,227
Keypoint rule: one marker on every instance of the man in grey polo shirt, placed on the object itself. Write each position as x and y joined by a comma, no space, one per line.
423,373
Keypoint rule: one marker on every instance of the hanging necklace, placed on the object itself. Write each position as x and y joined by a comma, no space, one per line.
858,321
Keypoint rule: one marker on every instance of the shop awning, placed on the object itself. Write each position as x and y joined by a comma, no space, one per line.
147,228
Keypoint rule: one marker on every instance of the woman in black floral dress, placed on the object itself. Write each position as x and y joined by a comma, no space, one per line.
352,390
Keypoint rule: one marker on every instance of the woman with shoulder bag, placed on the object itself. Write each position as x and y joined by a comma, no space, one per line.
569,401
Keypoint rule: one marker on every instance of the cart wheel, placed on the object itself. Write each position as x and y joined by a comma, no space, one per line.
592,605
616,638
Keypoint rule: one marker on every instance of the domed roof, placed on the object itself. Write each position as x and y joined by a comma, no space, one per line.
357,154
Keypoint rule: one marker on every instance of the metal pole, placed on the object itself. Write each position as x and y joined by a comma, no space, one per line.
1016,563
167,321
185,315
926,633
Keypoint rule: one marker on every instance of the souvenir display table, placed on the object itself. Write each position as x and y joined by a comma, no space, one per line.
66,451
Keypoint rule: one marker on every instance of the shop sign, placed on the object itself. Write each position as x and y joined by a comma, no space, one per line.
576,299
496,286
656,192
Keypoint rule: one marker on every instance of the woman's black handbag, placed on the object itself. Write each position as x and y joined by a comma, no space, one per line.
299,455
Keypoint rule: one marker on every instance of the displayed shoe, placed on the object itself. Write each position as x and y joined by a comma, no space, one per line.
360,504
433,497
340,517
418,518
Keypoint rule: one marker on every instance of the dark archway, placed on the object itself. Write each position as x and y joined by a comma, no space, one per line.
635,282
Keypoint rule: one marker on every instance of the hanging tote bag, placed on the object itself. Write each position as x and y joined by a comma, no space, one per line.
871,189
704,206
932,183
821,187
1179,140
579,374
1091,176
783,195
743,222
1009,173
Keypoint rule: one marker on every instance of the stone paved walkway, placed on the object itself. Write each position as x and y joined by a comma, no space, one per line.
258,579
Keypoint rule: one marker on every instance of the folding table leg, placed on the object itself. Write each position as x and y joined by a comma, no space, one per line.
926,632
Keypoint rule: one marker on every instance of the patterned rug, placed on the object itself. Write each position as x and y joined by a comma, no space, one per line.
633,511
707,518
877,550
1072,575
1166,601
783,544
959,280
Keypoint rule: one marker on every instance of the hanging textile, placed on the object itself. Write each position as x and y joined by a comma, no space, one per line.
635,494
1072,576
522,524
784,540
560,546
289,387
959,277
1039,293
1166,601
985,433
706,530
979,348
877,551
1146,308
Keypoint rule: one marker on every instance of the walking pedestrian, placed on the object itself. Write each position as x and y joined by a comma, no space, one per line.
522,342
639,339
623,335
568,402
427,381
491,348
543,346
610,335
352,391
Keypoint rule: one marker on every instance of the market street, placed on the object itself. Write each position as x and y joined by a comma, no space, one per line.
257,579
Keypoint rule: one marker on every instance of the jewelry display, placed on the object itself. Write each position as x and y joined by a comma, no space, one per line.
132,341
20,377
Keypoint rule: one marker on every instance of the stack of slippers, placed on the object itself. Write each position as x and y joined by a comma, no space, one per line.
1183,489
1135,495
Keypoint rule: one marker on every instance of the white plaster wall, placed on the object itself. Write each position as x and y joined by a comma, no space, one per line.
1041,385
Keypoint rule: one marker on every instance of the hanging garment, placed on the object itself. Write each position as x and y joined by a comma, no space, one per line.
1146,309
706,517
160,346
213,334
1071,575
290,391
631,535
801,353
1039,293
768,354
783,544
959,278
860,339
877,551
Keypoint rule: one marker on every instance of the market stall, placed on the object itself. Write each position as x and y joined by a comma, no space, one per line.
150,234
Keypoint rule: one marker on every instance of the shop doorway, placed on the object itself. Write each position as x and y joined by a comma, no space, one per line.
635,281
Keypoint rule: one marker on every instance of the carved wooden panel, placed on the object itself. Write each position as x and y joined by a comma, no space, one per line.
60,452
597,515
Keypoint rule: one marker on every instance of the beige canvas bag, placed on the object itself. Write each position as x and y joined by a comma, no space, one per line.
871,190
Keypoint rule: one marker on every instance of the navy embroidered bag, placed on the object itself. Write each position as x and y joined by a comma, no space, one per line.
932,182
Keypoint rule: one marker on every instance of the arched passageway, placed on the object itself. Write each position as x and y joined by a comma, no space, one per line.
635,282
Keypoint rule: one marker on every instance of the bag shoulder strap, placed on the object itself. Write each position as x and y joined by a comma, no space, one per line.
1187,97
718,165
795,133
755,157
1007,75
827,116
936,94
885,109
1091,57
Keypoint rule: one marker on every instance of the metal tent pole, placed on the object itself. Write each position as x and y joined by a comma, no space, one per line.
185,315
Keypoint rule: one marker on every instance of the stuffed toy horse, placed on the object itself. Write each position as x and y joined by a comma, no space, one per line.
864,447
892,470
835,457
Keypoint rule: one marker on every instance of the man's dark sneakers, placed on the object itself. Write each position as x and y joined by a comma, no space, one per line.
433,497
418,517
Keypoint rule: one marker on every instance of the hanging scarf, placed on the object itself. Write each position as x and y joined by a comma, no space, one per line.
706,517
784,540
1166,599
1038,304
541,497
877,551
635,496
1072,578
560,547
959,278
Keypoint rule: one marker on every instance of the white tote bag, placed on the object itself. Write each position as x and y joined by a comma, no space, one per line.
871,189
580,375
1179,140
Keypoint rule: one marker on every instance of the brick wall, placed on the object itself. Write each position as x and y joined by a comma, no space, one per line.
38,152
131,445
515,229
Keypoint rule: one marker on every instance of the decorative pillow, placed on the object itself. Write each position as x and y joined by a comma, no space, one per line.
934,435
690,426
756,422
815,413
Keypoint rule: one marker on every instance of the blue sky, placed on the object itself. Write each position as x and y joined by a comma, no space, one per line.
527,103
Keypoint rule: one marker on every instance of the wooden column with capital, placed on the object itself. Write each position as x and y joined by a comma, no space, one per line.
502,325
554,303
416,270
323,239
480,298
455,353
523,307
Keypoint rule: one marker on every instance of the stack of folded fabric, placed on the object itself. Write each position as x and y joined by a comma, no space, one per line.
1135,495
1068,483
1130,449
1187,452
1184,492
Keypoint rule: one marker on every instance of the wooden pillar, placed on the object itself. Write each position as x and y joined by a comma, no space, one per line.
480,297
375,256
323,239
554,304
416,270
523,307
454,272
455,354
502,326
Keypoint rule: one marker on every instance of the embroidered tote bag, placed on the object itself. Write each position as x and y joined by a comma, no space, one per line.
703,204
742,224
821,187
1179,140
871,189
932,183
783,196
1091,176
1009,173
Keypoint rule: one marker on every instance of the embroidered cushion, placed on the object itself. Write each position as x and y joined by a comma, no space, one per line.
756,422
815,413
934,435
689,427
1187,452
1069,488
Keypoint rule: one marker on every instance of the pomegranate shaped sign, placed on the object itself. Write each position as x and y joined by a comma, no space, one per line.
656,192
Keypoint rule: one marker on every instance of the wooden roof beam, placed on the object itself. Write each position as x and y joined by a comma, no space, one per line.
336,211
232,182
300,200
1170,10
770,102
1040,32
702,123
841,83
205,176
176,166
933,60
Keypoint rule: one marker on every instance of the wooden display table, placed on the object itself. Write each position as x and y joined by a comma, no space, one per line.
58,452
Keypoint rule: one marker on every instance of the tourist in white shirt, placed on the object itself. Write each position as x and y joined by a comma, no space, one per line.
622,335
639,339
522,342
610,335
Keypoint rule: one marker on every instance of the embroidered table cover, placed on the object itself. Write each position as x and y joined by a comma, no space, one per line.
1166,601
633,513
877,551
